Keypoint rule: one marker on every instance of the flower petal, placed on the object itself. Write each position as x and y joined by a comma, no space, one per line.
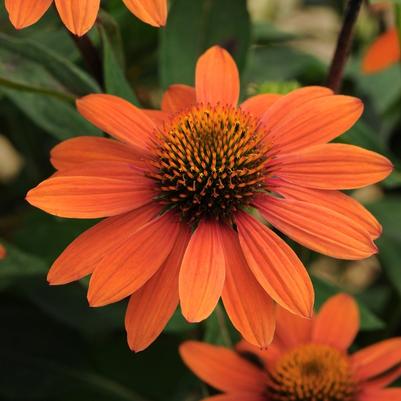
178,97
387,394
237,397
80,257
217,78
151,307
222,368
93,190
118,118
83,149
267,357
202,272
334,200
314,122
259,104
337,322
317,227
23,13
127,268
377,359
250,308
275,266
385,51
153,12
157,116
333,166
78,15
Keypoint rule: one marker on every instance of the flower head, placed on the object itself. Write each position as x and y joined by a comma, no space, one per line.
307,361
383,52
179,189
80,15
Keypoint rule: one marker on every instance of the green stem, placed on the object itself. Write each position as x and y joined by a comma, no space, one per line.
221,319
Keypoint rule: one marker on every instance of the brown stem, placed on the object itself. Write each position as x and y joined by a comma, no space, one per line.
343,48
90,55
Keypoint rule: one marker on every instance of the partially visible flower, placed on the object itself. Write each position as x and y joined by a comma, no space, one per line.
80,15
308,361
384,52
180,188
3,252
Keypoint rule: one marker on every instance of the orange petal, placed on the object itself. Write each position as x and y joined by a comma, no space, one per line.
23,13
317,227
178,98
267,357
151,307
314,122
97,189
217,78
222,368
384,379
250,308
337,322
384,51
237,397
276,266
387,394
118,118
334,200
153,12
157,116
127,268
3,252
83,149
377,359
333,166
259,104
291,330
81,257
78,15
202,272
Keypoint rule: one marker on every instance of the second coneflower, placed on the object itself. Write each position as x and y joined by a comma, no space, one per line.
80,15
180,189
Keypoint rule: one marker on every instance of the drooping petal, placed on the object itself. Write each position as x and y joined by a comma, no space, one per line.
250,308
222,368
237,397
125,269
387,394
151,307
259,104
81,257
385,51
334,200
317,227
333,166
275,266
337,322
217,78
178,97
202,272
377,359
78,15
317,121
83,149
93,190
118,118
23,13
153,12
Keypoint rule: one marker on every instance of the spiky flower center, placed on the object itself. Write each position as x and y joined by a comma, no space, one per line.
209,162
312,373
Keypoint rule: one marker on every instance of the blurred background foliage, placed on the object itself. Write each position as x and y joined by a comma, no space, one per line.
53,346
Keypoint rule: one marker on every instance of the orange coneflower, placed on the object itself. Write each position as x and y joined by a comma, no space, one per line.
80,15
180,188
307,361
384,52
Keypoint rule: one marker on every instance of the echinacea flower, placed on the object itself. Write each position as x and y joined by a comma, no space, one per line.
382,53
80,15
180,187
307,361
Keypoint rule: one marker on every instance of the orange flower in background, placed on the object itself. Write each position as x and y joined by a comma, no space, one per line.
179,189
308,361
80,15
384,52
3,252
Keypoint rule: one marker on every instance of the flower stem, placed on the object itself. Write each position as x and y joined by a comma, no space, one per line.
344,42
